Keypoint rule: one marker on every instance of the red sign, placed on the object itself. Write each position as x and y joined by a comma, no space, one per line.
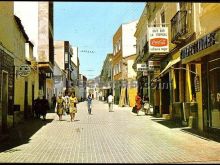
158,42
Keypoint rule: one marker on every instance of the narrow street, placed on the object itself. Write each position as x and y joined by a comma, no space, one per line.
109,137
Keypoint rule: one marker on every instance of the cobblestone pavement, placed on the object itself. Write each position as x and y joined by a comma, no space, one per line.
111,137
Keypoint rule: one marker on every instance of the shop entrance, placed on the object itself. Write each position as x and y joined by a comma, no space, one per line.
214,92
4,99
165,94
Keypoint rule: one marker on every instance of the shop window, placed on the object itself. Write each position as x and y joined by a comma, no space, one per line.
163,19
214,90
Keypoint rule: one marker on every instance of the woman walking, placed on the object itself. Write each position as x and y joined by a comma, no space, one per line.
138,102
60,106
72,106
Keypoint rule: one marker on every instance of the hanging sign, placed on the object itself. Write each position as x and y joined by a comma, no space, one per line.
24,70
197,83
158,39
141,67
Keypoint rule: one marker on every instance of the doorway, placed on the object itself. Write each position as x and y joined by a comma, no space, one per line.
165,87
4,99
26,100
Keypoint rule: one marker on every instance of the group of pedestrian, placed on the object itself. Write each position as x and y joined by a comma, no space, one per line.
41,107
66,105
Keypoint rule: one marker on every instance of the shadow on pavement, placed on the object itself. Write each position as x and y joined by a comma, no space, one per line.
21,133
215,136
169,123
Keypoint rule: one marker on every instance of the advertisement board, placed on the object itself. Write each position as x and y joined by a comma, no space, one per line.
158,39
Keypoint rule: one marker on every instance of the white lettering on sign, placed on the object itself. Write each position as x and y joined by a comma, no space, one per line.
141,67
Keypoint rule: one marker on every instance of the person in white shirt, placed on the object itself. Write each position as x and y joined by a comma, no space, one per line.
66,103
110,102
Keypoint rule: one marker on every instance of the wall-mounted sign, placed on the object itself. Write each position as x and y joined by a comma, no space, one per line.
141,67
158,39
154,64
24,70
197,83
198,45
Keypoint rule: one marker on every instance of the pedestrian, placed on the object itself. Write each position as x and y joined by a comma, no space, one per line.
53,99
66,103
110,102
45,107
37,107
60,106
138,102
89,100
72,106
146,104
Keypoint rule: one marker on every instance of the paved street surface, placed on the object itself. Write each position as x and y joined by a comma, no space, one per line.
108,137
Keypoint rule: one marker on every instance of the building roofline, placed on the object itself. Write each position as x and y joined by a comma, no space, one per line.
21,27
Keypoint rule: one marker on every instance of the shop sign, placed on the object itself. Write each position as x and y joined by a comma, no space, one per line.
197,83
199,45
154,64
158,39
141,67
24,70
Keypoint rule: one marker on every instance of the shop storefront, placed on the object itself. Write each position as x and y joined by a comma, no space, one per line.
205,54
6,88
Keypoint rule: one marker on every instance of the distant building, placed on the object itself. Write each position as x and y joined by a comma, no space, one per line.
124,44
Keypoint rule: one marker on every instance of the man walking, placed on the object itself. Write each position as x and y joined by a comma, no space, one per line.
110,102
89,99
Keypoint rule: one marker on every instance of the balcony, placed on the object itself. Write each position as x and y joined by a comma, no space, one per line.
179,27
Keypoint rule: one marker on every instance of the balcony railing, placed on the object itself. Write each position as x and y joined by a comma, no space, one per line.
179,26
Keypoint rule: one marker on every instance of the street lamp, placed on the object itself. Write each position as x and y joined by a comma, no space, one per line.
110,60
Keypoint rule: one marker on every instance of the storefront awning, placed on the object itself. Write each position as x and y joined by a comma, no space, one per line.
172,62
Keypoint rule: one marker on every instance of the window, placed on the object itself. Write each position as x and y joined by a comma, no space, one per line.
163,19
66,57
119,45
155,23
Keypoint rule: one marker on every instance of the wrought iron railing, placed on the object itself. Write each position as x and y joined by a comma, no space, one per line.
178,26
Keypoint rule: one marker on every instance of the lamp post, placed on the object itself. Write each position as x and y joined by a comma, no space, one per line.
112,86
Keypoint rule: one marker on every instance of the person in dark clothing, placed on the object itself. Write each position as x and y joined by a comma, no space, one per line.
89,100
45,107
53,99
37,107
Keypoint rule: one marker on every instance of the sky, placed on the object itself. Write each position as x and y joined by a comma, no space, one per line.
90,26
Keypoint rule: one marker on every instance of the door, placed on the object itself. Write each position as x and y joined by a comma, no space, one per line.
32,99
165,94
4,99
26,100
